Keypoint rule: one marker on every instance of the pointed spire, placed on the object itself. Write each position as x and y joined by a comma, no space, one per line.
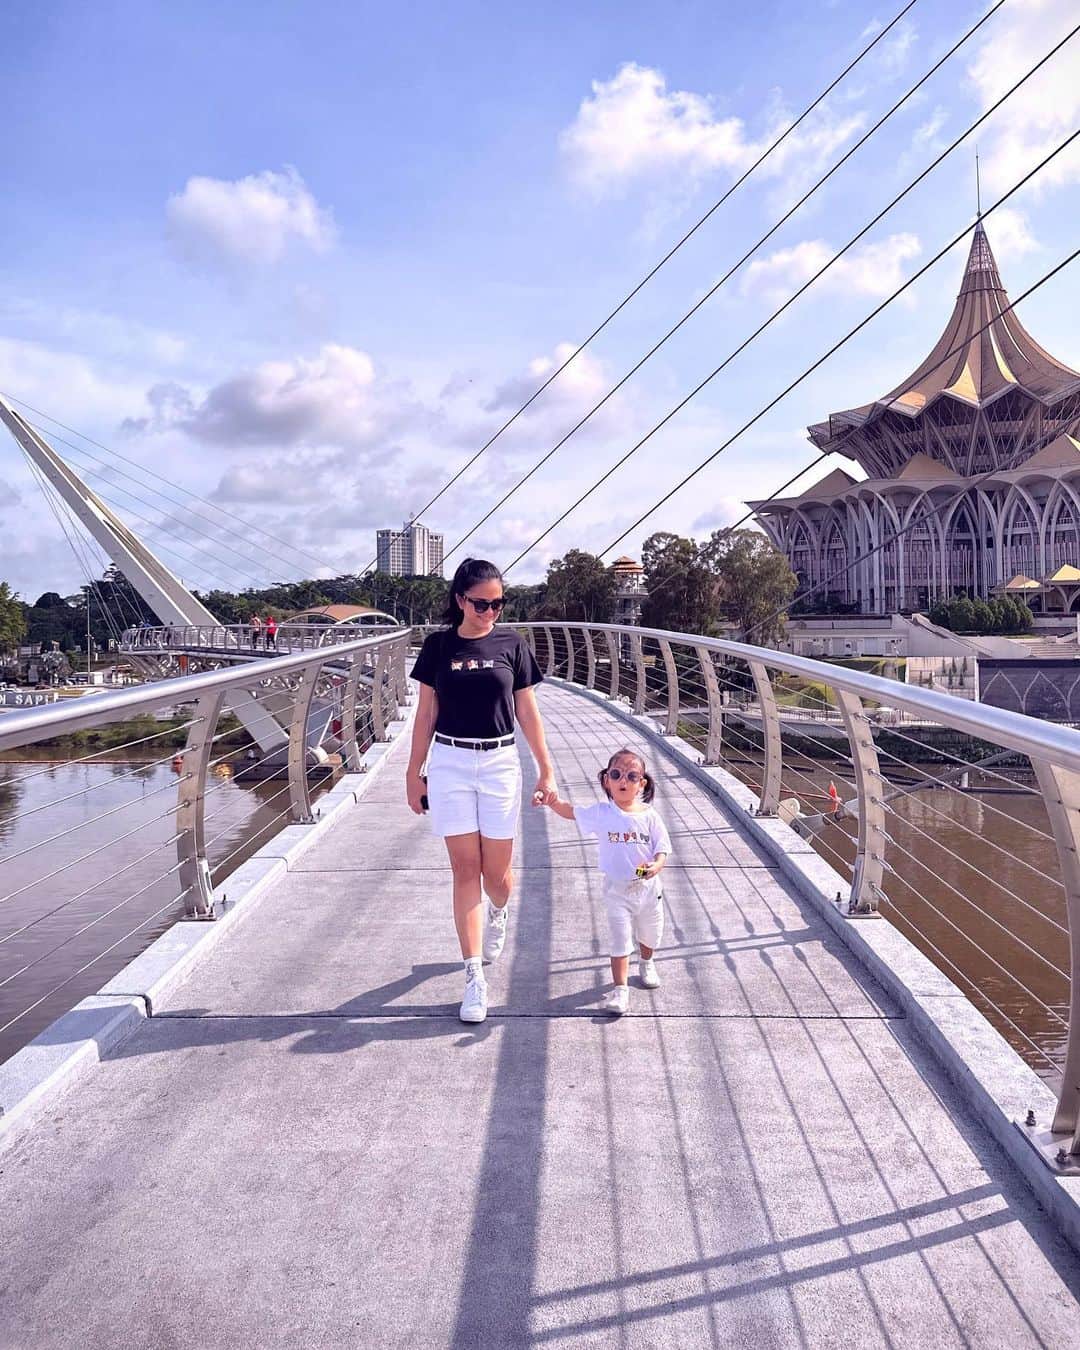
981,272
978,188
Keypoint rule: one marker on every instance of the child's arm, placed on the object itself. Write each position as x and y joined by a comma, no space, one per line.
561,808
654,868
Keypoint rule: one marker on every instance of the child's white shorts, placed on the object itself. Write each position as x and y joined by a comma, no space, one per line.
470,790
635,911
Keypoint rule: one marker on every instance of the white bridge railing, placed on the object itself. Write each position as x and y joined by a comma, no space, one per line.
959,822
239,640
96,854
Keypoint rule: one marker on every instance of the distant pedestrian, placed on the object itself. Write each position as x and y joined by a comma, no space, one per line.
271,632
634,846
256,629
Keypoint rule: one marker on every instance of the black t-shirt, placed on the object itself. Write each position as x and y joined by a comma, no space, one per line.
475,680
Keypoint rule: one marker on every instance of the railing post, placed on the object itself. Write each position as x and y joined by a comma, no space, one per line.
349,746
870,854
770,735
1061,792
590,659
378,694
569,655
671,724
299,793
715,737
637,650
613,657
550,651
194,869
401,678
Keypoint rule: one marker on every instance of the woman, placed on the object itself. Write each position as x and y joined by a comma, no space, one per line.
476,680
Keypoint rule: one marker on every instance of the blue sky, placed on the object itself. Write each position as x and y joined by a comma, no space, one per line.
300,259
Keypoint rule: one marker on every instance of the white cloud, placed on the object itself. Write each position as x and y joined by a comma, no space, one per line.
927,133
108,337
633,126
332,398
1038,117
1009,234
251,220
581,383
36,373
874,270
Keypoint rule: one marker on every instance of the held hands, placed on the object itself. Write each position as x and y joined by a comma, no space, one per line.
544,794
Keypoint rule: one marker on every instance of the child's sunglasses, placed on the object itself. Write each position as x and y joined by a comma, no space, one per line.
482,606
631,775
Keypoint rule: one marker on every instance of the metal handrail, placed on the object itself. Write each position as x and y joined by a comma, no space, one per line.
1014,731
242,638
1053,750
373,664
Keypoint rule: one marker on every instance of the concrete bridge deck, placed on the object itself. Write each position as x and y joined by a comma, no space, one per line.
304,1147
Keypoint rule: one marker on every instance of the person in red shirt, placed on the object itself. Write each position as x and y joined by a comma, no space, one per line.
271,632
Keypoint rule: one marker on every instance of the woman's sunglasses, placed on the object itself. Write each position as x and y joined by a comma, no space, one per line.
631,775
482,606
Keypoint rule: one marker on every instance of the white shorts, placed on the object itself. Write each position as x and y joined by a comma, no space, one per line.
635,911
470,790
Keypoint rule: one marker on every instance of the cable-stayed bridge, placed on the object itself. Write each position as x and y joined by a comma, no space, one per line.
268,1126
251,1117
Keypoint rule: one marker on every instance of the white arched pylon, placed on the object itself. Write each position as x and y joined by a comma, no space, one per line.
170,600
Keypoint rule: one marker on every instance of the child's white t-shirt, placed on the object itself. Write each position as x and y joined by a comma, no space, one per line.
626,838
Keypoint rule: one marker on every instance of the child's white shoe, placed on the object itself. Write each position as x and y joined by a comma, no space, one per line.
616,1001
650,976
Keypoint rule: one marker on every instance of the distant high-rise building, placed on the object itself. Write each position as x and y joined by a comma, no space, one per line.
412,551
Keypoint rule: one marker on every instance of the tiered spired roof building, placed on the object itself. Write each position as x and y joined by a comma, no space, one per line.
978,452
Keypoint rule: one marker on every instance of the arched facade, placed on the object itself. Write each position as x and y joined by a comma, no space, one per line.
973,468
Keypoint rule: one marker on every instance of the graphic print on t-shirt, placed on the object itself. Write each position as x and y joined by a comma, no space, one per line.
626,838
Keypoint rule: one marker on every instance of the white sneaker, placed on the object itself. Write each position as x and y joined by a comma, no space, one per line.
474,1004
650,976
495,931
616,1001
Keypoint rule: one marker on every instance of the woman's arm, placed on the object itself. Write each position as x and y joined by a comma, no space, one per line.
423,729
528,716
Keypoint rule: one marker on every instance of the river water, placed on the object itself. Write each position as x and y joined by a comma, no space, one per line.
88,873
972,879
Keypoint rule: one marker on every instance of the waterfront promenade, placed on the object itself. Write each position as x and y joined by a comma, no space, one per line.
304,1147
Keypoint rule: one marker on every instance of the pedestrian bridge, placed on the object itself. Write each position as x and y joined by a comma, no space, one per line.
804,1138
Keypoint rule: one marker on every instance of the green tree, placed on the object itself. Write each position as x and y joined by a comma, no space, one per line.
12,618
682,589
939,612
1025,618
524,602
580,587
984,617
755,582
962,614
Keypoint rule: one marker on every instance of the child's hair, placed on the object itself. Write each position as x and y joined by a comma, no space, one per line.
468,574
649,790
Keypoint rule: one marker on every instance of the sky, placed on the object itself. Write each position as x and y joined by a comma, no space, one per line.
303,260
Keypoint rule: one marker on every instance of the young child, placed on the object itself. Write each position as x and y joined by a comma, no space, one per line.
634,846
